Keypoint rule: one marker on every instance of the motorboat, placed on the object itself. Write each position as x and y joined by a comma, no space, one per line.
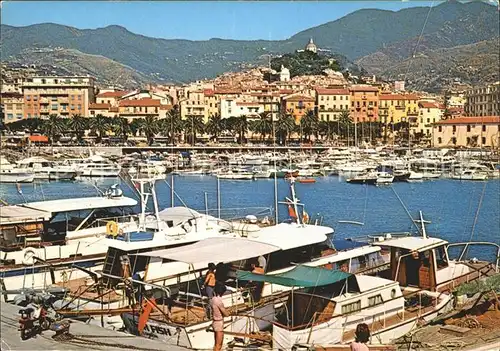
95,166
47,170
384,178
470,174
9,173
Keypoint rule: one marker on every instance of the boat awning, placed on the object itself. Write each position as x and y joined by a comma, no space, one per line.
79,204
178,214
412,243
300,276
223,250
18,214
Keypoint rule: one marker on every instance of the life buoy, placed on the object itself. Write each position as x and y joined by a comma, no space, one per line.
112,228
28,257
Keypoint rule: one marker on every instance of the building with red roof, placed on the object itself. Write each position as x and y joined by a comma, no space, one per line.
475,131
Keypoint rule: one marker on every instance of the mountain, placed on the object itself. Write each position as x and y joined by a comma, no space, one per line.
70,61
438,69
356,35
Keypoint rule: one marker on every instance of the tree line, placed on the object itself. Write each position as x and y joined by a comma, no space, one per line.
175,129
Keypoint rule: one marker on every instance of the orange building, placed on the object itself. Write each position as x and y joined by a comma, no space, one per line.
297,105
364,103
63,96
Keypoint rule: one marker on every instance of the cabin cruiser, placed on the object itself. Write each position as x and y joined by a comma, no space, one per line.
47,170
9,173
95,166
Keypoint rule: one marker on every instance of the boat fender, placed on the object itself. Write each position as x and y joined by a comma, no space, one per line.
112,228
28,257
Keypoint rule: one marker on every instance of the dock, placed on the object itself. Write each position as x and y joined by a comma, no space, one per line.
81,336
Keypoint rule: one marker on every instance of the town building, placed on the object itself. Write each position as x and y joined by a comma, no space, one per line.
62,96
284,74
330,103
477,131
311,46
13,106
111,98
397,108
193,104
429,113
139,108
103,109
298,105
239,108
364,101
483,101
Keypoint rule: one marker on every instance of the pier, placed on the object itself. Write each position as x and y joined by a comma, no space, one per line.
81,336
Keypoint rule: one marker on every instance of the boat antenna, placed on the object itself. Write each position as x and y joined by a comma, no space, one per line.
407,212
422,222
274,162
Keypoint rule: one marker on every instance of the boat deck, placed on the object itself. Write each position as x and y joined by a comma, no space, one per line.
85,288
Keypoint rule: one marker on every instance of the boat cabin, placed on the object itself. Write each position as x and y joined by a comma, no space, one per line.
53,221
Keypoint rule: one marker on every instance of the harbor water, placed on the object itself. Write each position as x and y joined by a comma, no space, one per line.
458,210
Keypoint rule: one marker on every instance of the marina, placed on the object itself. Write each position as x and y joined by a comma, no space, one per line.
87,242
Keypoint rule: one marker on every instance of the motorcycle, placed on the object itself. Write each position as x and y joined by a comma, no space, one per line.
34,319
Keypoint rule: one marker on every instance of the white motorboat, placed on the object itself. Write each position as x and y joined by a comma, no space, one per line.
47,170
12,174
384,178
470,174
95,166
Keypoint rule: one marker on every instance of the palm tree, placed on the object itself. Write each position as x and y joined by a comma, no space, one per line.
172,124
101,125
263,125
215,126
309,125
121,127
53,127
150,127
344,124
79,125
283,127
192,126
136,126
242,128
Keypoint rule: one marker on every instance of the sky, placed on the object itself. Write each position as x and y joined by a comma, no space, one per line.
194,20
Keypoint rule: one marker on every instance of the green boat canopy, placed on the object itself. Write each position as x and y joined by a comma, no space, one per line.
299,276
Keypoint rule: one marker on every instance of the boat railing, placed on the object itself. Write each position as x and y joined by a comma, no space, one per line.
467,245
379,237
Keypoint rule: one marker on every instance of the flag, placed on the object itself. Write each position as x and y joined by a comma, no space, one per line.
305,217
291,212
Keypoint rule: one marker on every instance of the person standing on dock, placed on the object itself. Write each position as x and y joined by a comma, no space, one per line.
362,337
218,314
210,280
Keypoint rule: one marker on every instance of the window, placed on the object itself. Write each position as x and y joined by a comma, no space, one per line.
334,98
10,115
351,307
53,107
352,104
35,98
484,128
440,140
53,98
364,103
454,129
72,106
29,115
468,128
375,300
79,107
19,116
454,141
79,97
483,140
28,98
440,129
